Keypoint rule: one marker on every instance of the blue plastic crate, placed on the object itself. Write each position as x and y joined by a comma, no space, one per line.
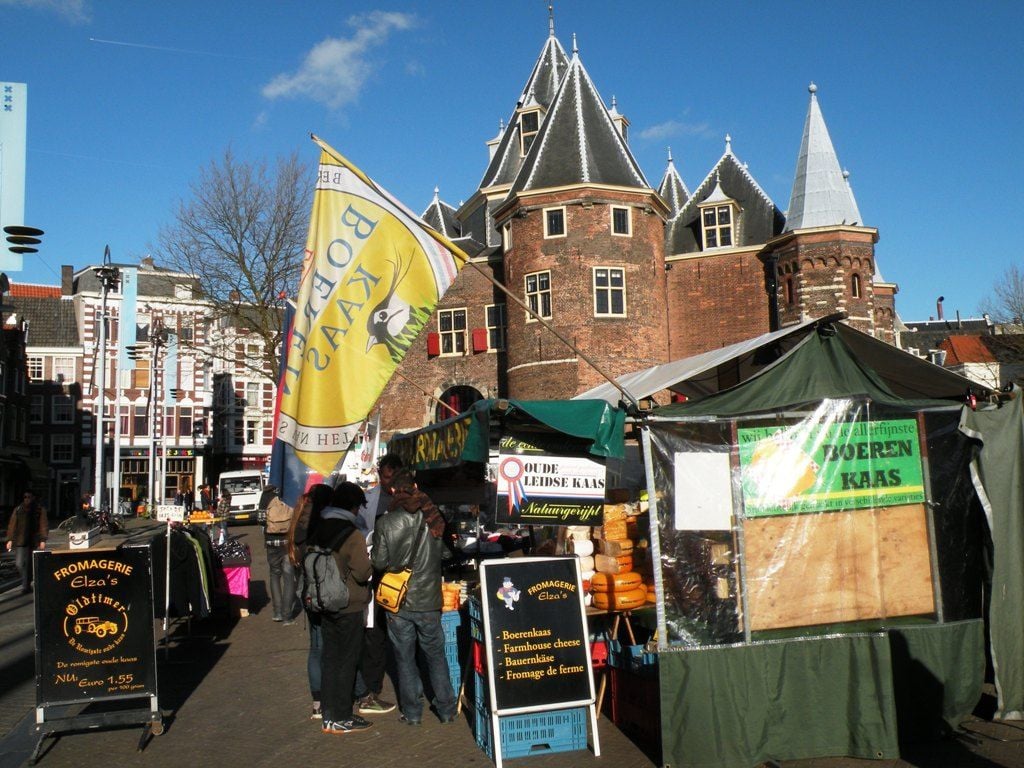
476,619
450,621
451,652
640,660
541,733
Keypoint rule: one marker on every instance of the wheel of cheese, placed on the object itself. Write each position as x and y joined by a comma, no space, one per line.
617,582
620,601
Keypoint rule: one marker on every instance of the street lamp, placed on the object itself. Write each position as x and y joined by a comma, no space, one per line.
108,276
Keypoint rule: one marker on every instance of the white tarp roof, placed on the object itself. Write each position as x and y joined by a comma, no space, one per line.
698,376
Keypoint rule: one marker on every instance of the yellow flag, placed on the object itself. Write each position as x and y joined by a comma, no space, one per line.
372,274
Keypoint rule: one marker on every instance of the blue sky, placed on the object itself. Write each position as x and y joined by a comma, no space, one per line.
128,100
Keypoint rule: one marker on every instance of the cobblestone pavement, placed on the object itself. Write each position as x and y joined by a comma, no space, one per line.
234,693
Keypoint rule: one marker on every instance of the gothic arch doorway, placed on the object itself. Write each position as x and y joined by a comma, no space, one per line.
458,398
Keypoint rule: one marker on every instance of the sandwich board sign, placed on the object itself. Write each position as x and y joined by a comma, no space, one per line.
536,640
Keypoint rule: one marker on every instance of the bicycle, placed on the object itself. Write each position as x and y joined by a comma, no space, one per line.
93,518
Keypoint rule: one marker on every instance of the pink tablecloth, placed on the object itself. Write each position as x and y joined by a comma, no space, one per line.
238,580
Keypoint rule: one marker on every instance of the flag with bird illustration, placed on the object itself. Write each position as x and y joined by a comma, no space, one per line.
372,274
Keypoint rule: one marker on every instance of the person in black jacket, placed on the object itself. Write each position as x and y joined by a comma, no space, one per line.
414,523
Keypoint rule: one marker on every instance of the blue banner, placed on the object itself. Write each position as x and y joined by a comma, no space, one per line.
129,317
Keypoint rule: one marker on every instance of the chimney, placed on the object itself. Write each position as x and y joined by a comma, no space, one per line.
67,280
147,262
938,306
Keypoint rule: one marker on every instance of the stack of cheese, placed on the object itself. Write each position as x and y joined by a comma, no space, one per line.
579,543
618,585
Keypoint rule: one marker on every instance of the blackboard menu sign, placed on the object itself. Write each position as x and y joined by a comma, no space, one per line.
94,625
535,628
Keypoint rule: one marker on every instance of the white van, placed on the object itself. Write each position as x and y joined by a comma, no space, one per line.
245,487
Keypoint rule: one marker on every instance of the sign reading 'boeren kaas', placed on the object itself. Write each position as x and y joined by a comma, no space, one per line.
548,484
535,629
94,625
812,467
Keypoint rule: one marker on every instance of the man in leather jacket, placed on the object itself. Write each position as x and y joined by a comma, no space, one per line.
413,522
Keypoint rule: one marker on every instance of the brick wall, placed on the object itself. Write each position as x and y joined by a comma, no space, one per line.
541,366
715,300
817,271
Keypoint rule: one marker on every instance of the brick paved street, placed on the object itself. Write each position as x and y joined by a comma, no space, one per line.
235,694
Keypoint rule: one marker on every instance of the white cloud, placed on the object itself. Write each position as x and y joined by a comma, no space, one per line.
674,128
336,69
74,11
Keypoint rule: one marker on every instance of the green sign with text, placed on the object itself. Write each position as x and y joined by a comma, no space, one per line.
818,468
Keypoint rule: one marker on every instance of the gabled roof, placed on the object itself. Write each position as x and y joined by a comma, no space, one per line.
759,219
966,349
672,188
578,142
33,290
821,195
541,86
51,320
441,217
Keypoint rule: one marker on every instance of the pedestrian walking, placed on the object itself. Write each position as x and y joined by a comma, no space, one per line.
27,530
410,536
277,521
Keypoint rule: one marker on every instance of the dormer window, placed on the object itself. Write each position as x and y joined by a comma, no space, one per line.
717,223
529,124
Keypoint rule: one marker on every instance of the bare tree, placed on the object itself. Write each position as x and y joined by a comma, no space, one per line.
242,235
1007,302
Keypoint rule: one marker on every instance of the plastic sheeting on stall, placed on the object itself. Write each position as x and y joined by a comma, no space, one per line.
825,560
776,526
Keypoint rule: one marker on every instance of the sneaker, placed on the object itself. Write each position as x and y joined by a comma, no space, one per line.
278,618
371,705
409,721
353,724
318,713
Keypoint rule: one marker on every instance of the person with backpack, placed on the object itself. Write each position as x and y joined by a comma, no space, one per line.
275,539
335,573
304,523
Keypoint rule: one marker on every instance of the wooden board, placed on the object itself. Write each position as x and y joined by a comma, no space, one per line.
837,566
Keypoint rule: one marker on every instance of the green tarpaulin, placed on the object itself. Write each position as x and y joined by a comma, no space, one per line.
466,437
822,366
998,475
857,695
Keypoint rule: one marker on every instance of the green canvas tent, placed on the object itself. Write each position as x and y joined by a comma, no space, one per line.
735,692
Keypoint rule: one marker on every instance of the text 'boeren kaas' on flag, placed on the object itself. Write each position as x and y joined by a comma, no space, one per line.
372,274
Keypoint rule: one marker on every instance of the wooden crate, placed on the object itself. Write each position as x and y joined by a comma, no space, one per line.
837,566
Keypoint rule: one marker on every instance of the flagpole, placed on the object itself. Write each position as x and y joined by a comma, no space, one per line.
400,375
462,256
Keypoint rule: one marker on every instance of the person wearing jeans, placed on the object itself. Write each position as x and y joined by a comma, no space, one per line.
410,535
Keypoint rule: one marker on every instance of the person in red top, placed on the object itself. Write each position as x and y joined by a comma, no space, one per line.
27,530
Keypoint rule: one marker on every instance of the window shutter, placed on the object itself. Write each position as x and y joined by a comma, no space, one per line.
479,339
433,343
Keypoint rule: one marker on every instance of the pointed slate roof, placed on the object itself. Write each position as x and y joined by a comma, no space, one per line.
441,217
541,87
672,188
759,219
821,194
578,142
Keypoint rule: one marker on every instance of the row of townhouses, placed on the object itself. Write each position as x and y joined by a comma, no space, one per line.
218,416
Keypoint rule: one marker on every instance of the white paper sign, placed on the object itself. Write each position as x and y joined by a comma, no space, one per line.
170,513
703,492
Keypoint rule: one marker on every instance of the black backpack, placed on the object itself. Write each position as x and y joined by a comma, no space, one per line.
322,587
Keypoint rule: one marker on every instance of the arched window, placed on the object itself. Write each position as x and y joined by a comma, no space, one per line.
457,399
790,293
855,286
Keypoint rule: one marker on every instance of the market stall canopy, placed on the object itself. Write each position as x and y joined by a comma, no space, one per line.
467,437
878,368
